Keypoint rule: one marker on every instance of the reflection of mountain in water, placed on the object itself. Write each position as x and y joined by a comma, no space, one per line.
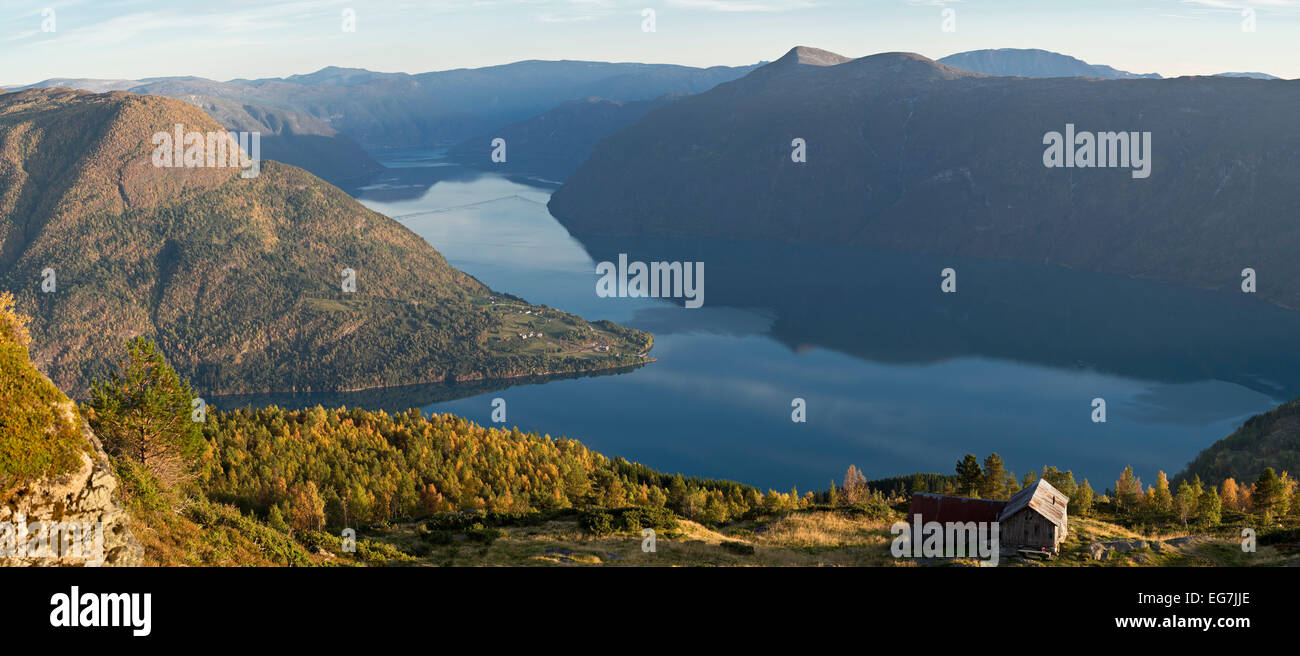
887,307
409,177
397,399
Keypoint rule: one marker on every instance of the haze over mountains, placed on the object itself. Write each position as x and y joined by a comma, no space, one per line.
239,280
910,154
552,145
399,110
551,113
316,120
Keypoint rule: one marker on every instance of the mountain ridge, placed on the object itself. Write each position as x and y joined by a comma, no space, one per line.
1035,62
907,156
238,279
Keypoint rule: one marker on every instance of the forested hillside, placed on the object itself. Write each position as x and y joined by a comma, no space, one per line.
344,467
1271,439
239,280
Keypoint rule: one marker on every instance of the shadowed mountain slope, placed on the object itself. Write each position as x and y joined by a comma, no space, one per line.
909,154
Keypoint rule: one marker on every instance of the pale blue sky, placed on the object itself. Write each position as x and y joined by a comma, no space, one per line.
252,38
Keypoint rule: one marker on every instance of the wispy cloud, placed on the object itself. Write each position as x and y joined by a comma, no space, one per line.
1243,4
745,5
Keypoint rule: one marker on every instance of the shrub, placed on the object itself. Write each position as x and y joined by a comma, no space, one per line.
597,522
739,548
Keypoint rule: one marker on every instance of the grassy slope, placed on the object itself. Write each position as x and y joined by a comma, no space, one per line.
813,537
239,279
39,430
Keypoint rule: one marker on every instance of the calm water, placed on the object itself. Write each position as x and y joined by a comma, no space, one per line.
897,377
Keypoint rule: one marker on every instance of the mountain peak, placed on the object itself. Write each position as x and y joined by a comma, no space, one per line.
909,65
811,57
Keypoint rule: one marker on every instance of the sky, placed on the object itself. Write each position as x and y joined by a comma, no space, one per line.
132,39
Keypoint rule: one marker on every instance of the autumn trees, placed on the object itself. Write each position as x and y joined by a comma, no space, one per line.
340,467
1270,497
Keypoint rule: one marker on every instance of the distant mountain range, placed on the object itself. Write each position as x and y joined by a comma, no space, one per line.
911,154
1018,62
240,279
383,111
551,113
552,145
1257,76
400,110
1032,62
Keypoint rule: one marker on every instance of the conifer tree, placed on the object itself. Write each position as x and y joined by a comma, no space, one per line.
1267,496
143,412
969,475
995,478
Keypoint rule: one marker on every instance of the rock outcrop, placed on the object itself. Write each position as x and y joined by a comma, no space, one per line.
74,519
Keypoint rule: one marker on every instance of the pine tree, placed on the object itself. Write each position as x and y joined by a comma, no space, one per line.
1289,500
143,413
995,478
1028,480
1267,496
969,475
1013,483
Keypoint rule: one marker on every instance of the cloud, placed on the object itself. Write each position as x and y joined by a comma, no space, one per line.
745,5
1242,4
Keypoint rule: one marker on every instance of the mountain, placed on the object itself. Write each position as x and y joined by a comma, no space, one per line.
1018,62
400,110
291,137
552,145
1257,76
1271,439
239,279
908,154
299,140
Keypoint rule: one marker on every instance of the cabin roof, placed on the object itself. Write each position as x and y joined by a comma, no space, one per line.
943,509
1043,498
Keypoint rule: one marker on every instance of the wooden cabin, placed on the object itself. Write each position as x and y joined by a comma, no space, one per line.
1034,517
